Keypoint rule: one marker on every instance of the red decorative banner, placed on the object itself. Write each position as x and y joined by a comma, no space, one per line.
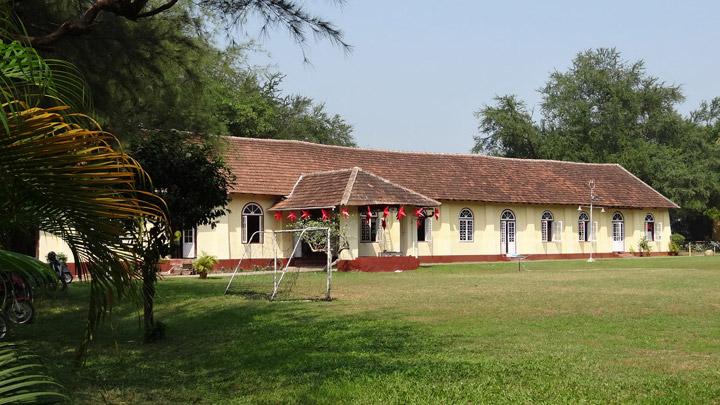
419,212
325,215
292,216
386,212
305,214
401,213
344,212
278,216
437,213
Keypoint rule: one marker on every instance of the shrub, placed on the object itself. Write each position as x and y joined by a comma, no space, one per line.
676,243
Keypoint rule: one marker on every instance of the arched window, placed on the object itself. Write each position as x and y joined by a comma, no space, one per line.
252,223
466,225
508,245
650,227
583,227
507,215
618,216
546,226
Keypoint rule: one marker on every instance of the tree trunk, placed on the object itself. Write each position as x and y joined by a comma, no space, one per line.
716,229
154,331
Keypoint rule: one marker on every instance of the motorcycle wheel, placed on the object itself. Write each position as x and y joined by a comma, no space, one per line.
3,328
21,312
68,278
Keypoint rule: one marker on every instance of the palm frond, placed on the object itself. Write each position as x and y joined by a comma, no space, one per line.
76,183
34,271
22,380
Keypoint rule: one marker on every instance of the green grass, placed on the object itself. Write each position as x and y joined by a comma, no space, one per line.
632,330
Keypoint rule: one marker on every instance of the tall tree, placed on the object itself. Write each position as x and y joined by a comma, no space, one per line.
605,109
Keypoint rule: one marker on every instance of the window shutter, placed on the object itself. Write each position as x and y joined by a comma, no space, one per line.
659,231
428,229
244,229
593,232
557,231
379,231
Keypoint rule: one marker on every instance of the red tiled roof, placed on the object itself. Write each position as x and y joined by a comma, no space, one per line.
272,167
349,187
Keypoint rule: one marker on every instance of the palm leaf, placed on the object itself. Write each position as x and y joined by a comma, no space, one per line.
76,183
23,381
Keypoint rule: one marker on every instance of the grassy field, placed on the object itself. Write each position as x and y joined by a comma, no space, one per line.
632,330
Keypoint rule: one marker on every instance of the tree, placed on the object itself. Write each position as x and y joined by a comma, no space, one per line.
287,14
605,109
194,182
188,173
173,57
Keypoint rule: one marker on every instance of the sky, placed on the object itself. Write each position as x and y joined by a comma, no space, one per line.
419,69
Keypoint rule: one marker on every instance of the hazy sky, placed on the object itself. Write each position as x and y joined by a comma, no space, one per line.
419,69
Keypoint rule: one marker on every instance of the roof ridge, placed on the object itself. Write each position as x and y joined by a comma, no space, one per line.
469,155
401,187
349,186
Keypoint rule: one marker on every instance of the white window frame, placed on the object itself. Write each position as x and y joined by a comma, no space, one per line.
427,225
255,210
558,231
467,219
583,221
375,221
650,219
546,226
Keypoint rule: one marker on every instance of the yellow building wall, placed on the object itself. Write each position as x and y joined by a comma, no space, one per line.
51,243
225,240
445,238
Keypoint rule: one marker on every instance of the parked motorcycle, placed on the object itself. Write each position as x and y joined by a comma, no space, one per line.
16,299
60,268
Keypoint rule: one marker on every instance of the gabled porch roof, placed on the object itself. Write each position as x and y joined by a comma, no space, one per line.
348,187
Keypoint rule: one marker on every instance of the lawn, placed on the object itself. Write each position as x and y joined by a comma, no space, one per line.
630,330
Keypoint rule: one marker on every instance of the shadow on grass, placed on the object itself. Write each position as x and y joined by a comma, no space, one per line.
217,348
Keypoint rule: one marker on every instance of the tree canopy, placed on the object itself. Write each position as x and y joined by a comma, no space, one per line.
606,109
167,72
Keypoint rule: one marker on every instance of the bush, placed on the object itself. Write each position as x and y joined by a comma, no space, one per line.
676,243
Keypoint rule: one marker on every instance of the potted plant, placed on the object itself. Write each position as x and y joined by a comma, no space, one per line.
204,264
644,247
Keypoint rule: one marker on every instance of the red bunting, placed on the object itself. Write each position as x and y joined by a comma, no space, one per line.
384,223
369,215
278,216
325,215
386,212
437,214
305,214
344,212
292,216
419,212
401,213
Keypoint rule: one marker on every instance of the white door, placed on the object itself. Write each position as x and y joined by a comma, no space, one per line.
511,246
507,233
188,245
618,236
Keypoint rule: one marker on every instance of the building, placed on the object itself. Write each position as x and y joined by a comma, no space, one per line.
459,207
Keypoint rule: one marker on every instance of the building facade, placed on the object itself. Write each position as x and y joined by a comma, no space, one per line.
456,207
